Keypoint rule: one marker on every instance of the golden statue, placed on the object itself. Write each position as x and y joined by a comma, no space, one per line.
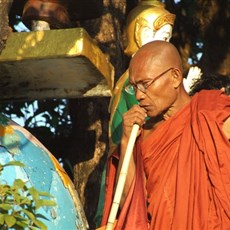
147,22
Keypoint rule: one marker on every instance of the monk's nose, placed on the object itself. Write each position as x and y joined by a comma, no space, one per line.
139,95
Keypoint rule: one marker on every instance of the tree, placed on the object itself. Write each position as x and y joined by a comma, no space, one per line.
5,6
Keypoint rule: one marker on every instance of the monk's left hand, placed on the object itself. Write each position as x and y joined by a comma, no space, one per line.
136,115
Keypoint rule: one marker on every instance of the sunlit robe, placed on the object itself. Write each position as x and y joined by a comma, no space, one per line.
186,162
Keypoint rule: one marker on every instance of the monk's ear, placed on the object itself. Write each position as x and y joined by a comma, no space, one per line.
176,77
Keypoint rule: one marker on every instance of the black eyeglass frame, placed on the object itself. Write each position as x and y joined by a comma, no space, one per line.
132,88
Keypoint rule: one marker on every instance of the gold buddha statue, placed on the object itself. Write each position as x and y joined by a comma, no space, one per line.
147,22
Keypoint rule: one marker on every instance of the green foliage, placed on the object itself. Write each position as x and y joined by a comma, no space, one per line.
19,204
50,115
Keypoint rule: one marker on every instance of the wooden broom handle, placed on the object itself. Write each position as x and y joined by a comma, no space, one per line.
122,178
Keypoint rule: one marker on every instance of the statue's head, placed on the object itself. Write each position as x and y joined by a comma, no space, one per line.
147,22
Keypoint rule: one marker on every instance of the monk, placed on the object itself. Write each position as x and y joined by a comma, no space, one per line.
146,22
179,174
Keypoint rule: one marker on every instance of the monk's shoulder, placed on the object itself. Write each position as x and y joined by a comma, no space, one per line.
211,99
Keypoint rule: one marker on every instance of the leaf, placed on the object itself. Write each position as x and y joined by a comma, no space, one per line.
21,218
20,225
41,216
45,194
10,220
25,201
40,203
1,219
34,193
40,224
33,228
17,198
4,189
19,184
5,206
15,163
22,222
29,214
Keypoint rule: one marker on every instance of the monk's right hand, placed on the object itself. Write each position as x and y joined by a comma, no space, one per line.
136,115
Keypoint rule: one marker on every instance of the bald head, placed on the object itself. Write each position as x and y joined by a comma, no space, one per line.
156,74
158,54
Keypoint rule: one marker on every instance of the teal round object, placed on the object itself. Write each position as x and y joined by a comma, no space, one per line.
42,171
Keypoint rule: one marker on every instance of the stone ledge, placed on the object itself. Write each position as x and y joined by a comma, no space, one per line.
63,63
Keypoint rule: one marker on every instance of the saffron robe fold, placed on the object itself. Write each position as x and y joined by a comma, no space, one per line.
186,161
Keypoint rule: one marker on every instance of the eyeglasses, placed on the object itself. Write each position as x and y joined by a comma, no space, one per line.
142,86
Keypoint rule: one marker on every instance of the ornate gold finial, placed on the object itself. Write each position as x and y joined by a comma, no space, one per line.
149,14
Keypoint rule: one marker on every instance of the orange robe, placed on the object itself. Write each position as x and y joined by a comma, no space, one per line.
186,161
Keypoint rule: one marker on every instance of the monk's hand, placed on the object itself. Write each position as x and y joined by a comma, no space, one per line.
136,115
226,90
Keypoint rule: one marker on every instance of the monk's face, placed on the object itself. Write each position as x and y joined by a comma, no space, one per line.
154,86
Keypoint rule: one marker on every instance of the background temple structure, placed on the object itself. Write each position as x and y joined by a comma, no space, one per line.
64,63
